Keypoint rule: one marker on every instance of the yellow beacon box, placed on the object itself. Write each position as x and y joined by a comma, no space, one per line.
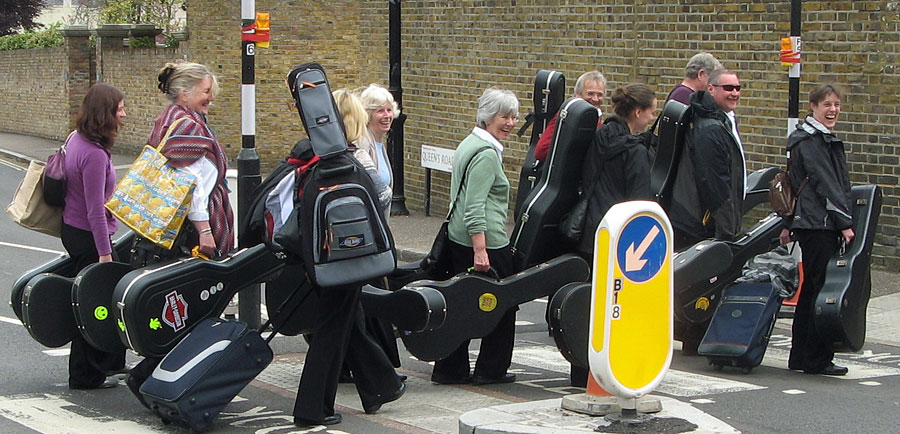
630,341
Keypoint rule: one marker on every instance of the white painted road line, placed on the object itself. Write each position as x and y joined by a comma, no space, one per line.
37,249
49,413
10,320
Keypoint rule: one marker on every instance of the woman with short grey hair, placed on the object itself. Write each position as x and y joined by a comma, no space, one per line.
382,109
479,199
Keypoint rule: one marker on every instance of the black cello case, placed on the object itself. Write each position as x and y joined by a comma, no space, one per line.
840,311
156,306
476,303
549,93
673,123
568,317
535,237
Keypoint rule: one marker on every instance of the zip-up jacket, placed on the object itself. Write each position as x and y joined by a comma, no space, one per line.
824,204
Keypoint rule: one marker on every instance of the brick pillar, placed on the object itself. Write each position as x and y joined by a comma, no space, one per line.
110,37
78,72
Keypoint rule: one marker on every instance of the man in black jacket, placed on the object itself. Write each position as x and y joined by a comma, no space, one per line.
708,191
709,188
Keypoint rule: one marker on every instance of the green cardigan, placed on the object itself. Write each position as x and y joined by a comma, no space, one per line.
482,202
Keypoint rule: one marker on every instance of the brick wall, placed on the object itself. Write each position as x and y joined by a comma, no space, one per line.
134,71
33,92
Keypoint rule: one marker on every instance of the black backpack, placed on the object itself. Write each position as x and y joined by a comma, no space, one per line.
344,238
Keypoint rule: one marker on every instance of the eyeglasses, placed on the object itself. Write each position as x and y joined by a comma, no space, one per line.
729,87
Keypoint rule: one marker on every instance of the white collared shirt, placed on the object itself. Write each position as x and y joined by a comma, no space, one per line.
488,137
737,138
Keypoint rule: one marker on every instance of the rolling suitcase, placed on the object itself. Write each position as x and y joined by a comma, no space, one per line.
155,306
741,326
535,237
476,303
840,311
205,371
210,366
549,93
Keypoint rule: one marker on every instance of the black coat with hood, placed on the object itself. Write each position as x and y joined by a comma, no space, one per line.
825,202
708,191
616,169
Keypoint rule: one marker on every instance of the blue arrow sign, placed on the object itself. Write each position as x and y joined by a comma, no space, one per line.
641,248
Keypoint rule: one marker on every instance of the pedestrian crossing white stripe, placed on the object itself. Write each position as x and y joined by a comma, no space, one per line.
48,413
37,249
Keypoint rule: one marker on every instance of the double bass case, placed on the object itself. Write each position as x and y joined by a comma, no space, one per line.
535,237
476,303
155,306
840,310
549,93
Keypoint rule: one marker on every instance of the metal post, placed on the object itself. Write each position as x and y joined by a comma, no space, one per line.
794,72
395,139
248,159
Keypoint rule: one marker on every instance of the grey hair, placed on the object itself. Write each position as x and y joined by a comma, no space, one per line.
375,96
493,102
175,77
701,61
589,76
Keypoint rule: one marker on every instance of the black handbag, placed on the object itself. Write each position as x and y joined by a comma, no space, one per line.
572,224
436,264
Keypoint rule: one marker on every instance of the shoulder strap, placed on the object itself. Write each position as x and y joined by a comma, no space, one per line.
788,170
165,137
66,143
463,179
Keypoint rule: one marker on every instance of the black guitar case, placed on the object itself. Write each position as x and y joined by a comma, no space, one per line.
673,123
475,303
62,266
549,93
841,305
696,274
47,310
92,295
569,316
412,308
300,318
155,306
535,237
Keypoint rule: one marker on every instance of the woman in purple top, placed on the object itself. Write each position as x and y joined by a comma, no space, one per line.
87,225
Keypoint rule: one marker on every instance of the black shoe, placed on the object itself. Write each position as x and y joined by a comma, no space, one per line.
109,383
371,409
402,377
833,369
329,420
135,389
505,378
446,379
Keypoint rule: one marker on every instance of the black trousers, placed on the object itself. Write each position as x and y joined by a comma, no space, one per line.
495,354
370,366
809,351
88,366
322,368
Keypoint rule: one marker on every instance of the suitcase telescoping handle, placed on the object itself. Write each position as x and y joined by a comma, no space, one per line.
281,309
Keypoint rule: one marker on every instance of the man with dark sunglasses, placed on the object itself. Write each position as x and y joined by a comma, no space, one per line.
709,187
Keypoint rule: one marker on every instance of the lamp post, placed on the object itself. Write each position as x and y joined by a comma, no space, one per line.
395,139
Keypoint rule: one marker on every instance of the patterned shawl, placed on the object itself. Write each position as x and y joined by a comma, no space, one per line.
190,140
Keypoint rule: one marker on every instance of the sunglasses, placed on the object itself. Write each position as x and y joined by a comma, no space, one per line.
729,87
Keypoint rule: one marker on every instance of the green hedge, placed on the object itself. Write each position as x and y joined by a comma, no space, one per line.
51,37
